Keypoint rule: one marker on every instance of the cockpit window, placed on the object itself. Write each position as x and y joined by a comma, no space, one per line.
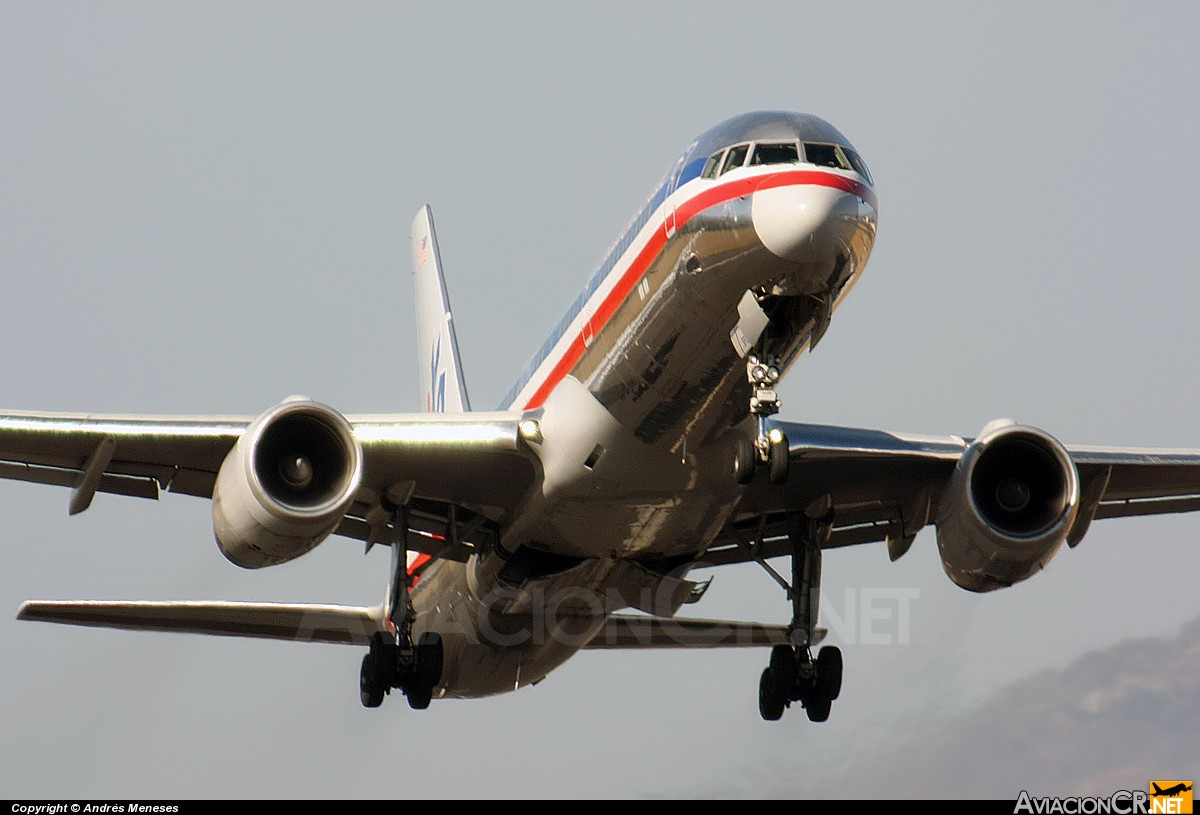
786,153
735,158
826,155
859,165
710,167
765,153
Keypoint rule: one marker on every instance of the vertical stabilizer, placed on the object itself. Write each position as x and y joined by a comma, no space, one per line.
443,389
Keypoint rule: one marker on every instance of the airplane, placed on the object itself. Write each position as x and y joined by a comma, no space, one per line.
1169,791
639,446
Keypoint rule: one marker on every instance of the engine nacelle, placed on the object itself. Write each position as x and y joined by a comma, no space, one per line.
286,484
1008,507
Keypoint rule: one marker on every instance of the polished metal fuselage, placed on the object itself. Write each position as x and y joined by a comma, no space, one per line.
643,398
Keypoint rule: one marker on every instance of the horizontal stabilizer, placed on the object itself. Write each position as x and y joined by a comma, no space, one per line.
637,631
349,625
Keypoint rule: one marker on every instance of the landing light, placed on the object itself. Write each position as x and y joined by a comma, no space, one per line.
531,430
776,435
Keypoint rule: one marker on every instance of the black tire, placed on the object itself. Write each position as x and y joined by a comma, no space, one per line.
780,459
370,689
744,459
783,664
817,708
430,657
770,701
419,696
385,654
829,672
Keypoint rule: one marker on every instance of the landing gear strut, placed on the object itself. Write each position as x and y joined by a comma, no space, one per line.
394,659
770,444
793,674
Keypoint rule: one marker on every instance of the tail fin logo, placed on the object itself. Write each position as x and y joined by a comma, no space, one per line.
435,400
422,251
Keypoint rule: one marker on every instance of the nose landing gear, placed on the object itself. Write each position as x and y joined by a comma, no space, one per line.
770,443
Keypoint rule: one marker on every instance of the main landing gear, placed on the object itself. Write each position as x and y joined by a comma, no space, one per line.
770,444
394,660
415,670
793,674
792,678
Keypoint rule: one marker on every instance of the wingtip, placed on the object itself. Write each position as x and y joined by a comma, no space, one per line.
39,610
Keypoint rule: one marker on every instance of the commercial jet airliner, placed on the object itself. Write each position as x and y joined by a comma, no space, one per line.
640,445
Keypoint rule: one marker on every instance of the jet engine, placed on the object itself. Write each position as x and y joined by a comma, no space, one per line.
1008,507
286,484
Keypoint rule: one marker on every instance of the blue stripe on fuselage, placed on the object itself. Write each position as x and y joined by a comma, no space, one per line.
691,171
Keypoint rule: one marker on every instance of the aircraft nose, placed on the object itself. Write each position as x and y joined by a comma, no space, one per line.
807,222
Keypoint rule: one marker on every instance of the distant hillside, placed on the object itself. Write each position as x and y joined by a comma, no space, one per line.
1113,719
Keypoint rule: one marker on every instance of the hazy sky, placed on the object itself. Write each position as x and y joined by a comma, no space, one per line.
204,207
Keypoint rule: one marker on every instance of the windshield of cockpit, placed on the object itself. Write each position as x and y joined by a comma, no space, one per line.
756,154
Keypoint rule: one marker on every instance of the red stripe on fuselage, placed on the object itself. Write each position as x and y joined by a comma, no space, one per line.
684,211
417,563
597,321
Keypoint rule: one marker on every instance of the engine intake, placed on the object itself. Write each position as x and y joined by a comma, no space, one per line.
302,459
1008,507
1019,485
286,484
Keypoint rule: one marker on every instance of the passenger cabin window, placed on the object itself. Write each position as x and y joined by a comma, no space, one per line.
735,158
786,153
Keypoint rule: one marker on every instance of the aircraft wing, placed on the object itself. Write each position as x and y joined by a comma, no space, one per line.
355,625
885,487
308,622
469,460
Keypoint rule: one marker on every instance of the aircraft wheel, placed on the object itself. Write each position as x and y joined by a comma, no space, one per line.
771,700
829,672
370,689
780,459
744,459
430,656
818,707
783,664
419,696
